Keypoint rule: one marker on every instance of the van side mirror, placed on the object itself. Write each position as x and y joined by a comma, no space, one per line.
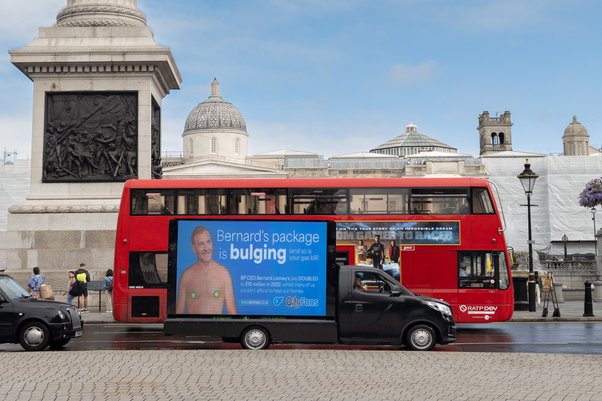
396,291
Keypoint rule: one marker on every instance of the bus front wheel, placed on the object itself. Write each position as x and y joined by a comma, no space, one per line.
255,338
421,338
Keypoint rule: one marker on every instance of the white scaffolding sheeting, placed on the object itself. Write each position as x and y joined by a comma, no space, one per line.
555,209
14,187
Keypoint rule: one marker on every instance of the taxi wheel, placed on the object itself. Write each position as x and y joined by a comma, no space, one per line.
34,336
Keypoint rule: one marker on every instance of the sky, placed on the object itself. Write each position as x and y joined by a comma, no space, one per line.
344,76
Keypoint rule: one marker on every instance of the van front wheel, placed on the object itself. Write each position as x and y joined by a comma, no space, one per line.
255,338
421,338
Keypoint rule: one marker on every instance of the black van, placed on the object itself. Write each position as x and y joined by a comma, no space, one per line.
35,323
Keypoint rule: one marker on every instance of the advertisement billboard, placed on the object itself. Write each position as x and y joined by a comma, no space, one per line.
249,268
403,232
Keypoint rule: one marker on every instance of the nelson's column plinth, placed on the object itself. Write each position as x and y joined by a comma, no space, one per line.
99,79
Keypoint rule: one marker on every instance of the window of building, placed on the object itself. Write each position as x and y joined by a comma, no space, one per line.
214,145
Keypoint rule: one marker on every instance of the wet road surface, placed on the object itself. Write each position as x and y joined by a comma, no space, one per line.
553,337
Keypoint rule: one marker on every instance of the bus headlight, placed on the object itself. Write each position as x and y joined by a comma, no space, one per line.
446,310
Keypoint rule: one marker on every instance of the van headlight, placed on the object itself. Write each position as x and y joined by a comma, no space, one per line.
61,314
446,310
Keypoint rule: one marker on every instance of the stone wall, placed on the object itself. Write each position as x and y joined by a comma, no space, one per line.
58,251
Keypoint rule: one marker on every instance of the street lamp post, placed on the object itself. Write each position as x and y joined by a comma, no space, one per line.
527,179
565,239
595,239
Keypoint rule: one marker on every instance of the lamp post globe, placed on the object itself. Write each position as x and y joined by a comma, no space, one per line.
527,179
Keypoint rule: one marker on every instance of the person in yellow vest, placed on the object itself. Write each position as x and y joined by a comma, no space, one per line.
83,276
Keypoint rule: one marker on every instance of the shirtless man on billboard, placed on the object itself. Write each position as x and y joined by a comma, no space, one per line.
206,286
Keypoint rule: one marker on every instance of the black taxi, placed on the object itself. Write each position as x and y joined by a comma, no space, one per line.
35,323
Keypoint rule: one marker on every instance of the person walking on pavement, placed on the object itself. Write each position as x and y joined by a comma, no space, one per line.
70,284
35,282
83,276
108,284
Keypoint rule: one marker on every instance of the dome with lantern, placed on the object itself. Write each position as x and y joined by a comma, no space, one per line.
215,129
576,139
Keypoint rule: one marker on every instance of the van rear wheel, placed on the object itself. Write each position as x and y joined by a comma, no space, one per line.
421,338
255,338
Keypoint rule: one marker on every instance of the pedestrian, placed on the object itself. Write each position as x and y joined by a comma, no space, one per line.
83,276
377,252
35,282
109,289
70,284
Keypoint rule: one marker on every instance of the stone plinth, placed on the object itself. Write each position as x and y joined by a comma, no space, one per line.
100,77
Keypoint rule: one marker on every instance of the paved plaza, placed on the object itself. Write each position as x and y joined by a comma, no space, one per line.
305,374
298,375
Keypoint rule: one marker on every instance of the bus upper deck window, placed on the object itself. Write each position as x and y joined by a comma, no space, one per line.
481,202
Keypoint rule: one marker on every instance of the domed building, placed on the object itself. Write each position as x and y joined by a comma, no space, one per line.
576,140
215,142
412,142
215,129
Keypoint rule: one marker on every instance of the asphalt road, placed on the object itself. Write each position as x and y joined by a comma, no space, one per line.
552,337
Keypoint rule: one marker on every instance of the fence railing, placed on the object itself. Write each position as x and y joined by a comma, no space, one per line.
568,265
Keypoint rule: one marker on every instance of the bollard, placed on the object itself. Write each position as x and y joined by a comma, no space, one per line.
588,307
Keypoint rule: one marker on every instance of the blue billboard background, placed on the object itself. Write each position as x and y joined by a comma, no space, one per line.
277,268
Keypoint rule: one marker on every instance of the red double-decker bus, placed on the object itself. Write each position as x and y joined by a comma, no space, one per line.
448,230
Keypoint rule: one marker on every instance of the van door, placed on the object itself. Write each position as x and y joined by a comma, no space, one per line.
377,313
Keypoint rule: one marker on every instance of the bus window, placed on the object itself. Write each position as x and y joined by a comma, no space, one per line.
153,202
319,201
260,201
139,204
481,202
148,269
439,201
212,201
481,269
187,202
379,201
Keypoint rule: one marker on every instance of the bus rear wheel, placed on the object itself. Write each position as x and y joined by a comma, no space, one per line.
421,338
255,338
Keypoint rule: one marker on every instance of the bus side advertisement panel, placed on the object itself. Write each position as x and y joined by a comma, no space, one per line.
248,268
